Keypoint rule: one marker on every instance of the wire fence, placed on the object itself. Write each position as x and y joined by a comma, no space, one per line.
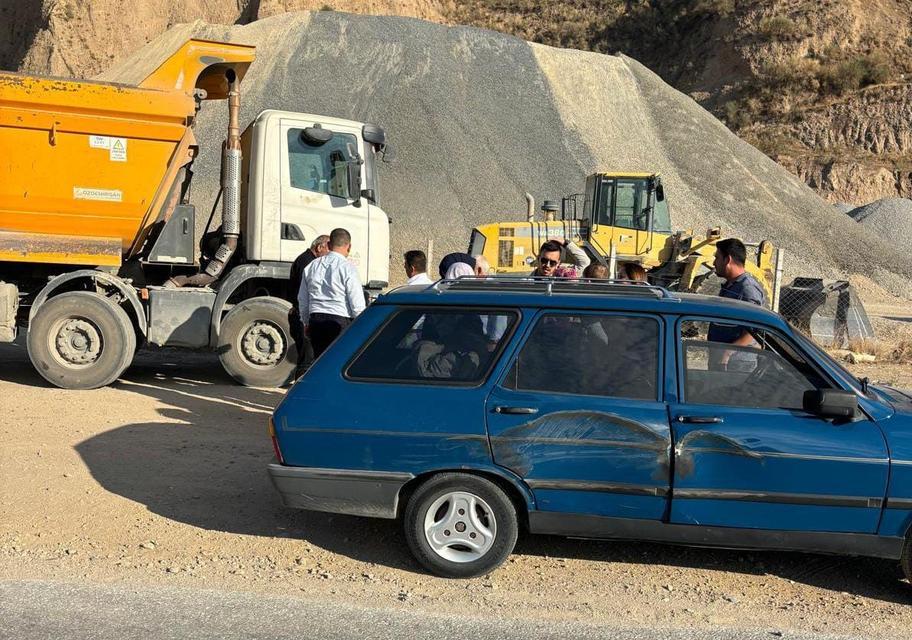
828,311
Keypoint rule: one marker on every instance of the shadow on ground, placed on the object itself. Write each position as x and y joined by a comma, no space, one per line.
204,464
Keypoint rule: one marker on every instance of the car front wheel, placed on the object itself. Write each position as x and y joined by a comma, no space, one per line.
460,526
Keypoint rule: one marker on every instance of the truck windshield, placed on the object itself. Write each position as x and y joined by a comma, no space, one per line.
321,168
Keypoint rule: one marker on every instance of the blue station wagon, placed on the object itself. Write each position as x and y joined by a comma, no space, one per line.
476,408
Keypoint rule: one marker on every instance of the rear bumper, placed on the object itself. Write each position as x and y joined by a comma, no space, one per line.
373,494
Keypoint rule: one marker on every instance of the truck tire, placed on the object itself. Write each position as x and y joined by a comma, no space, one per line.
255,343
81,340
459,525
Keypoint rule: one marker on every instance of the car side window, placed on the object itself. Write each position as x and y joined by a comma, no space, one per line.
443,345
600,355
321,168
739,366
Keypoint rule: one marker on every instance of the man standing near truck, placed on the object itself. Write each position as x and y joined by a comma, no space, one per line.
318,248
331,294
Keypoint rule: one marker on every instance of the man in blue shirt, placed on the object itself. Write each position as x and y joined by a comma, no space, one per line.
739,285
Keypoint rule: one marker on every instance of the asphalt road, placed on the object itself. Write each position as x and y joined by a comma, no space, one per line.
38,610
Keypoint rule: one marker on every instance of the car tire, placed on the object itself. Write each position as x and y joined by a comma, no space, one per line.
906,561
255,344
451,540
81,340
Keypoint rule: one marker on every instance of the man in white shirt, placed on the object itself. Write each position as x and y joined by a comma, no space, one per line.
331,294
416,267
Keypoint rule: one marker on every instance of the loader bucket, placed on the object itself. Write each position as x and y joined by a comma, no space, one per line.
828,311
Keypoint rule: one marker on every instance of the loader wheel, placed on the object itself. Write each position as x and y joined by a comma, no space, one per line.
255,343
81,340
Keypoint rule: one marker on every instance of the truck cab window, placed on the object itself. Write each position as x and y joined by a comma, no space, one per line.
319,168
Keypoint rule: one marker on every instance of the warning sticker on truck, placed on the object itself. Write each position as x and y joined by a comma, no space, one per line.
104,195
118,149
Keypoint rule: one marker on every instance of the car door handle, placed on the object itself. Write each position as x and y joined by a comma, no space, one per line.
701,419
516,410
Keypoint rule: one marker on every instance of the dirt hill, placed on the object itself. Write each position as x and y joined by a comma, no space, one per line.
82,39
822,87
480,118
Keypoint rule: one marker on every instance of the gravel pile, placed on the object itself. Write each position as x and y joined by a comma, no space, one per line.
890,216
479,118
844,207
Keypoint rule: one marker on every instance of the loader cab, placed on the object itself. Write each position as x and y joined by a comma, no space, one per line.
626,210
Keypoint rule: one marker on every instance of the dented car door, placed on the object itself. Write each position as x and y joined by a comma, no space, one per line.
580,414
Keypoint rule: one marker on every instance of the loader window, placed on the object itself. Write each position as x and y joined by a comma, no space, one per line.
630,206
662,220
605,198
319,168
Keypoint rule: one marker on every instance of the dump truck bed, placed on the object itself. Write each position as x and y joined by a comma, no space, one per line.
88,166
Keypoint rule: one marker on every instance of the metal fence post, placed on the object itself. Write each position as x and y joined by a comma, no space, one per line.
777,278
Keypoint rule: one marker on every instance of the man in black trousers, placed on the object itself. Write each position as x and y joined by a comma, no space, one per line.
318,248
331,293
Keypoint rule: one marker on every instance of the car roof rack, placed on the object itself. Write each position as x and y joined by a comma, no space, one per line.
551,286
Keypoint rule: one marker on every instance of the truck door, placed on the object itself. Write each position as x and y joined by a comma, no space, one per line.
314,196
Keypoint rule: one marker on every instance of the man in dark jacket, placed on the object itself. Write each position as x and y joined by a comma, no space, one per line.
319,247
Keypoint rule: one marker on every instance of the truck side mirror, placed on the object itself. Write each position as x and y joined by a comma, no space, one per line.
660,193
830,403
353,173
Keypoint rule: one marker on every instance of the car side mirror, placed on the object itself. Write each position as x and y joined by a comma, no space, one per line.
831,403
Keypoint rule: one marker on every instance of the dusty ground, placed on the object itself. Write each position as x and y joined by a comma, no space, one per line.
160,479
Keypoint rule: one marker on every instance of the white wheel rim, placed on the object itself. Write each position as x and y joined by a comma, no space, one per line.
460,527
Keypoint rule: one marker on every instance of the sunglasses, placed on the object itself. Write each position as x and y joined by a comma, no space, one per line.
548,263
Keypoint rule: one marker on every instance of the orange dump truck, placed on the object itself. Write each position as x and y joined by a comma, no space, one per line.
98,252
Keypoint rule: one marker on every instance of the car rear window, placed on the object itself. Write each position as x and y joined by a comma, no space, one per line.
445,346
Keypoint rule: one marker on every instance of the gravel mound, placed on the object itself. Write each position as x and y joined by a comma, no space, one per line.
479,118
889,217
844,207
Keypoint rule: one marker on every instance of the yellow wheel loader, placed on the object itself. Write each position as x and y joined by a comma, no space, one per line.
621,218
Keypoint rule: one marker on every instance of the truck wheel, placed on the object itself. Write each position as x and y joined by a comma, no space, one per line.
81,340
460,526
255,344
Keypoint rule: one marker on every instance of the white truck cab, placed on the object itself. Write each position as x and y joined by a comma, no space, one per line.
298,169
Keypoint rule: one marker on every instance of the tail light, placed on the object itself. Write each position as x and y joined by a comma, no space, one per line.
275,442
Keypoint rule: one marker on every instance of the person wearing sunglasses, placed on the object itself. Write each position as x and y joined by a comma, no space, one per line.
549,259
